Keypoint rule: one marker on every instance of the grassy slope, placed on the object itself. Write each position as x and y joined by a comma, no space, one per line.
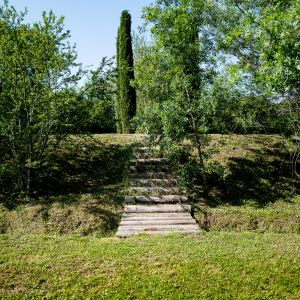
252,190
207,266
251,168
279,217
81,193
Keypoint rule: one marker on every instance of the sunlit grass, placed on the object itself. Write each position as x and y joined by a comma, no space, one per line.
210,265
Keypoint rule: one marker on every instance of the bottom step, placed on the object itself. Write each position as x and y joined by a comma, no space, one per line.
129,233
157,219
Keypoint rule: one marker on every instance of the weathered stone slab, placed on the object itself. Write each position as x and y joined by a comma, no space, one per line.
151,175
151,222
156,199
151,161
160,208
152,190
123,233
148,168
163,182
158,216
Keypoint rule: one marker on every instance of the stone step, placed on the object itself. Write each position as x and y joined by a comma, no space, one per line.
149,161
142,149
157,216
143,152
147,150
141,168
171,215
156,199
143,222
152,190
160,227
127,232
153,182
159,208
152,175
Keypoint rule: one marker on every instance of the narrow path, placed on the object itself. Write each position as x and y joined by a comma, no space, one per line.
153,203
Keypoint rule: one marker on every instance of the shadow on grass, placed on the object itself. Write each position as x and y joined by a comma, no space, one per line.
78,191
85,166
261,180
79,165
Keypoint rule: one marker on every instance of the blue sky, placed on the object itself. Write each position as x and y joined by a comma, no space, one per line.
93,23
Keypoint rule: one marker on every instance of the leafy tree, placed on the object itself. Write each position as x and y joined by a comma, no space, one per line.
90,108
264,36
126,98
35,68
99,93
179,69
244,109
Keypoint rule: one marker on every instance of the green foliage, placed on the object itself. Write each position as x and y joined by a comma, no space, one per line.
242,114
100,96
91,108
175,73
126,97
185,165
35,64
264,37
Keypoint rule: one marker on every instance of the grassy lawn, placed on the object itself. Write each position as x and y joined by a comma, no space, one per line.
207,266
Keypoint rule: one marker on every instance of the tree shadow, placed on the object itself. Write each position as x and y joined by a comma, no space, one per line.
261,180
79,165
86,166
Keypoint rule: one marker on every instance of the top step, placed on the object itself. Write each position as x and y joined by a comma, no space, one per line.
151,175
149,161
143,149
147,152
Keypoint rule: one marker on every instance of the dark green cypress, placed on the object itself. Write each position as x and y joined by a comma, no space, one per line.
126,102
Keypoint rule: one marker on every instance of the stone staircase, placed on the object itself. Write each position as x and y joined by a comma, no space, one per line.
153,203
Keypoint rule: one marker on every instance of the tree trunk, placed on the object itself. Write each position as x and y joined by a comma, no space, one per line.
197,140
200,155
29,182
29,175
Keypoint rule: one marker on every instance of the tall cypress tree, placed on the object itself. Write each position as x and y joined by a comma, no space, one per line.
126,99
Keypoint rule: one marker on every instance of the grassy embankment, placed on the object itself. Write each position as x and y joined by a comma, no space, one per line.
44,254
253,188
81,192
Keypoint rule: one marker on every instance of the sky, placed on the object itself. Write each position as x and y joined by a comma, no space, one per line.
93,23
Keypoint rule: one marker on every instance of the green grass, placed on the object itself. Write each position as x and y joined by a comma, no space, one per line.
81,189
252,169
207,266
59,244
278,217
